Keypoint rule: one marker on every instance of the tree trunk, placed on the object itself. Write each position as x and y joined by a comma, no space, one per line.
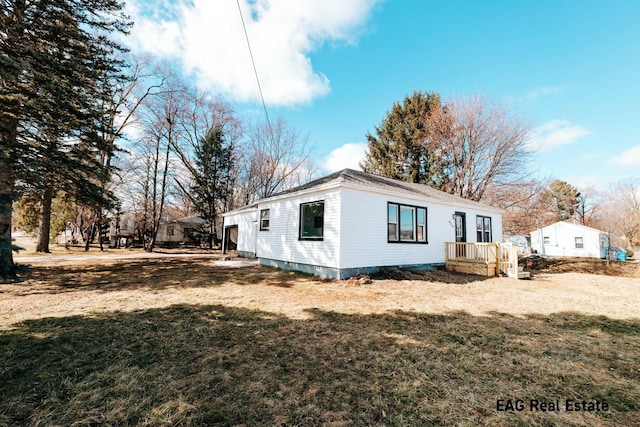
7,267
213,238
8,130
100,229
44,227
91,232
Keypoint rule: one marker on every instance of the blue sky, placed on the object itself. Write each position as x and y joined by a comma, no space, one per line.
333,68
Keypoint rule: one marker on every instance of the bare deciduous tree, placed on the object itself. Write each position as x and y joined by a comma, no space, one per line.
588,211
623,211
480,145
274,159
155,157
523,206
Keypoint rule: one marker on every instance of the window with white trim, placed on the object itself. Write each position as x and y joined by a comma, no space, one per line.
579,243
406,223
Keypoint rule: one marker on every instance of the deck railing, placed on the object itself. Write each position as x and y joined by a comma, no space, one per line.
503,257
471,252
508,262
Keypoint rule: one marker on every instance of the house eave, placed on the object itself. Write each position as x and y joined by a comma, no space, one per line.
350,180
422,197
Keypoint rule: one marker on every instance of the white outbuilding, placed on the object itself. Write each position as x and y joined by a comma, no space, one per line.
354,222
566,238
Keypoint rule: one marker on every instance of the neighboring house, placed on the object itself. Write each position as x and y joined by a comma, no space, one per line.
171,232
521,242
353,222
178,231
566,238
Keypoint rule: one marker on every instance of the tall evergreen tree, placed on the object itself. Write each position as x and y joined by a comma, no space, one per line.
51,54
399,149
212,175
562,200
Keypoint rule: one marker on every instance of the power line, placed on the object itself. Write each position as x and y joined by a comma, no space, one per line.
255,71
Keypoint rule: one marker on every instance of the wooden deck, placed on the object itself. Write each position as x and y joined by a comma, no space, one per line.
484,259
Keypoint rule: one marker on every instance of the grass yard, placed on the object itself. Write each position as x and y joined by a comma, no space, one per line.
187,342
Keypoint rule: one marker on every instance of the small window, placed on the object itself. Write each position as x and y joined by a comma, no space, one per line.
393,222
483,229
406,223
170,230
312,221
546,240
579,243
264,220
421,224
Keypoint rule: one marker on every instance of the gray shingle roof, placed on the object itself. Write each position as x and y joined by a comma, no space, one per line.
387,184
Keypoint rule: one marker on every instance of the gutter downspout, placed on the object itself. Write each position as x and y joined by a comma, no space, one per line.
224,237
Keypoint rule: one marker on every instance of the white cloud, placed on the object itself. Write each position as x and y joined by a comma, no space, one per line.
208,39
541,92
630,157
346,156
556,133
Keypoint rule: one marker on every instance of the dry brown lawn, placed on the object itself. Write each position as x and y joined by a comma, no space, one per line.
102,286
196,342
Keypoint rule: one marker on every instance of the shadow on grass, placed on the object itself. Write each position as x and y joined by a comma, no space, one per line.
160,274
149,274
215,365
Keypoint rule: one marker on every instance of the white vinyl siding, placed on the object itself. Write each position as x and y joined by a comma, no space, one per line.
357,229
283,243
366,227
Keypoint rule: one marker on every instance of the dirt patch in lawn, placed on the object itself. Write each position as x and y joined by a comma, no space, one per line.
582,265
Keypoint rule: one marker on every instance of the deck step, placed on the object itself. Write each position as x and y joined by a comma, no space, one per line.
524,275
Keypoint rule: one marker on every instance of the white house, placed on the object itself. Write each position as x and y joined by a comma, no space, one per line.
566,238
353,222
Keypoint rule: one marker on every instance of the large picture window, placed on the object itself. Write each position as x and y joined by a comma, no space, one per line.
312,221
406,223
483,228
